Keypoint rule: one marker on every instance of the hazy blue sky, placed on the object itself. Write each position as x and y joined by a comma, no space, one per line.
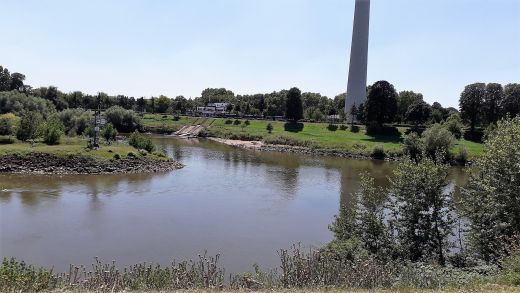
144,48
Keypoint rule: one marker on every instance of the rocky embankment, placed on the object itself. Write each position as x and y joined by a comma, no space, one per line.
41,163
261,146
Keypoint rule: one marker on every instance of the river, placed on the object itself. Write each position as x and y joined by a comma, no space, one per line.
243,204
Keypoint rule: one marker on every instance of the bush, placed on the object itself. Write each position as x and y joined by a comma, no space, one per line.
247,123
53,131
8,124
462,155
31,126
131,154
117,156
18,103
109,133
332,127
236,122
143,152
454,125
140,141
343,127
378,152
269,127
413,146
123,120
75,121
228,121
437,139
160,154
354,128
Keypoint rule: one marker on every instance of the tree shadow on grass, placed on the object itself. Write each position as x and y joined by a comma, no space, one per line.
384,138
293,126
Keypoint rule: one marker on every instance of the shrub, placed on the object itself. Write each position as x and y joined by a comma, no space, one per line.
122,119
131,154
117,156
462,155
228,121
247,122
343,127
332,127
109,133
31,126
142,152
236,122
53,131
490,198
8,124
413,146
18,103
354,128
437,140
140,141
269,127
454,125
75,121
160,154
378,152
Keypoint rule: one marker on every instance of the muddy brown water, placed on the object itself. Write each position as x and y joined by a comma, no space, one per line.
243,204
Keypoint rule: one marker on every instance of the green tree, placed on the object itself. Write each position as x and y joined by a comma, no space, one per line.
413,146
470,102
511,102
8,124
418,113
437,140
141,104
31,126
53,130
122,119
381,103
492,101
422,209
294,108
16,81
454,125
491,199
5,79
163,103
404,100
370,218
109,133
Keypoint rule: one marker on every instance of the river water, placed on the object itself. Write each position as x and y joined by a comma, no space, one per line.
243,204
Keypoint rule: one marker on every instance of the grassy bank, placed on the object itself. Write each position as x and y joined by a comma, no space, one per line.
317,135
76,147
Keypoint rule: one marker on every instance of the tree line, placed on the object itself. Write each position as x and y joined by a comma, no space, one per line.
479,104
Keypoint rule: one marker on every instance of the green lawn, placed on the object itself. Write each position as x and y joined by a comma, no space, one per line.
316,134
71,146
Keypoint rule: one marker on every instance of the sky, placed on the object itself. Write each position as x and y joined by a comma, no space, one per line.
180,47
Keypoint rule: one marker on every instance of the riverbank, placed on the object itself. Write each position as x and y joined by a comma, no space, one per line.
73,157
262,146
314,137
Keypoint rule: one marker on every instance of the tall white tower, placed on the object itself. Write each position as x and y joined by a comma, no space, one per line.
357,72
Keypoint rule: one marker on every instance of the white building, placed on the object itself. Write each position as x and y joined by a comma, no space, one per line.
212,109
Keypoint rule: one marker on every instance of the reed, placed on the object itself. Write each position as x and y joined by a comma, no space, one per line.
299,269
